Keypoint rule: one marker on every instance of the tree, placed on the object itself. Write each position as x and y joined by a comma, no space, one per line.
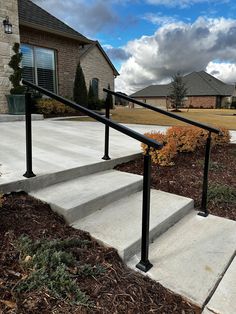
80,94
91,98
15,77
178,91
109,99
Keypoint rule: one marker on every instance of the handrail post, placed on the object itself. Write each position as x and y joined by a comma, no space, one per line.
144,263
29,173
106,147
204,211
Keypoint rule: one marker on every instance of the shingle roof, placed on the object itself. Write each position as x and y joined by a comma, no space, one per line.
33,16
197,83
83,51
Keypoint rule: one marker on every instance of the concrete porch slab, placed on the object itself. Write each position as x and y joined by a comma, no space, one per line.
191,257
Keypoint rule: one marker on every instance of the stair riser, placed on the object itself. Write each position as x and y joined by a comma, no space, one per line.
90,207
42,181
156,231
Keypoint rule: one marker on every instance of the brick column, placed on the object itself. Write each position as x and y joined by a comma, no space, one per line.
8,8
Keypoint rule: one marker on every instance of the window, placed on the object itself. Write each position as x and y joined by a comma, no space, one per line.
38,65
95,87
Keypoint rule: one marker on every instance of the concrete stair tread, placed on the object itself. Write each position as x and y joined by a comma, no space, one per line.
191,256
95,190
119,224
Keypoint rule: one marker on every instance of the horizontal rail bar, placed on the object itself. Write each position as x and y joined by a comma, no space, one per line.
121,128
167,113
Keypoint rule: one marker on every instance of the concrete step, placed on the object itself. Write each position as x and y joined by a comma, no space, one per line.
82,196
192,256
119,224
223,300
8,185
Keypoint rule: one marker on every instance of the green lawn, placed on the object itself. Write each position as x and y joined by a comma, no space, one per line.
215,117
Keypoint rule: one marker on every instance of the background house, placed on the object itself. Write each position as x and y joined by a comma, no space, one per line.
51,51
204,91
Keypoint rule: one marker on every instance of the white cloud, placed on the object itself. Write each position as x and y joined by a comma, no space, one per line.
87,17
159,19
179,46
225,72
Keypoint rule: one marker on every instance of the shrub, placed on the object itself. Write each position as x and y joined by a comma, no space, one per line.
80,94
223,138
222,193
181,139
51,106
51,266
187,138
163,156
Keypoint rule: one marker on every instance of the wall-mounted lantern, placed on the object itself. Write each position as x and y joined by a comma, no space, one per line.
7,26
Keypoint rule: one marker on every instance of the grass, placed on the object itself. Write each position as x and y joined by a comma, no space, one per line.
215,117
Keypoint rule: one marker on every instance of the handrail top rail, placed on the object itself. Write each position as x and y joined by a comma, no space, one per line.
167,113
121,128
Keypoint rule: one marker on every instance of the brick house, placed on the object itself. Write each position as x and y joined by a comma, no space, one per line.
204,91
51,51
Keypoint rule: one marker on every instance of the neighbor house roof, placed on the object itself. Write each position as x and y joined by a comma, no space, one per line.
197,83
35,17
84,50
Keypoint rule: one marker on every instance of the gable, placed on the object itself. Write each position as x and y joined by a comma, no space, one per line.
32,15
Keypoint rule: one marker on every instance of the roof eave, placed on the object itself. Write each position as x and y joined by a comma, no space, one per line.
81,40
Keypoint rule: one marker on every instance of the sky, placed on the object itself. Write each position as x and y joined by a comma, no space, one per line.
149,41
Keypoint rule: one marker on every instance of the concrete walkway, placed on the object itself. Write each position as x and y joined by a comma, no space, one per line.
59,145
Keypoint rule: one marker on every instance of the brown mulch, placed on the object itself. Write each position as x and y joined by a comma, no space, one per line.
186,176
118,290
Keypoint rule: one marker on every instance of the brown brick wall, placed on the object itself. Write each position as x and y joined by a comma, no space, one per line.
202,101
67,55
195,101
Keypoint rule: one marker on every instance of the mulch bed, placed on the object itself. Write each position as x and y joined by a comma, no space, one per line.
118,290
186,176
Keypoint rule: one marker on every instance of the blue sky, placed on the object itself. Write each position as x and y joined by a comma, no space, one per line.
150,40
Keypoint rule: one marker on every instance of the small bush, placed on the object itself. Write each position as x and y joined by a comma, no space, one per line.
165,155
181,139
187,138
222,138
221,193
51,106
51,266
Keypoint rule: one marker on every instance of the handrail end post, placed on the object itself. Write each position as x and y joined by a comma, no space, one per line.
106,157
29,174
204,211
28,130
144,263
144,266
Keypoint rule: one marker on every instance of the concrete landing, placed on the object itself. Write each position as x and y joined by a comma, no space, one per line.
191,257
223,300
119,224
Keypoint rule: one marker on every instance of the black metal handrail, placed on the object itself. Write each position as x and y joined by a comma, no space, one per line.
166,113
144,262
121,128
